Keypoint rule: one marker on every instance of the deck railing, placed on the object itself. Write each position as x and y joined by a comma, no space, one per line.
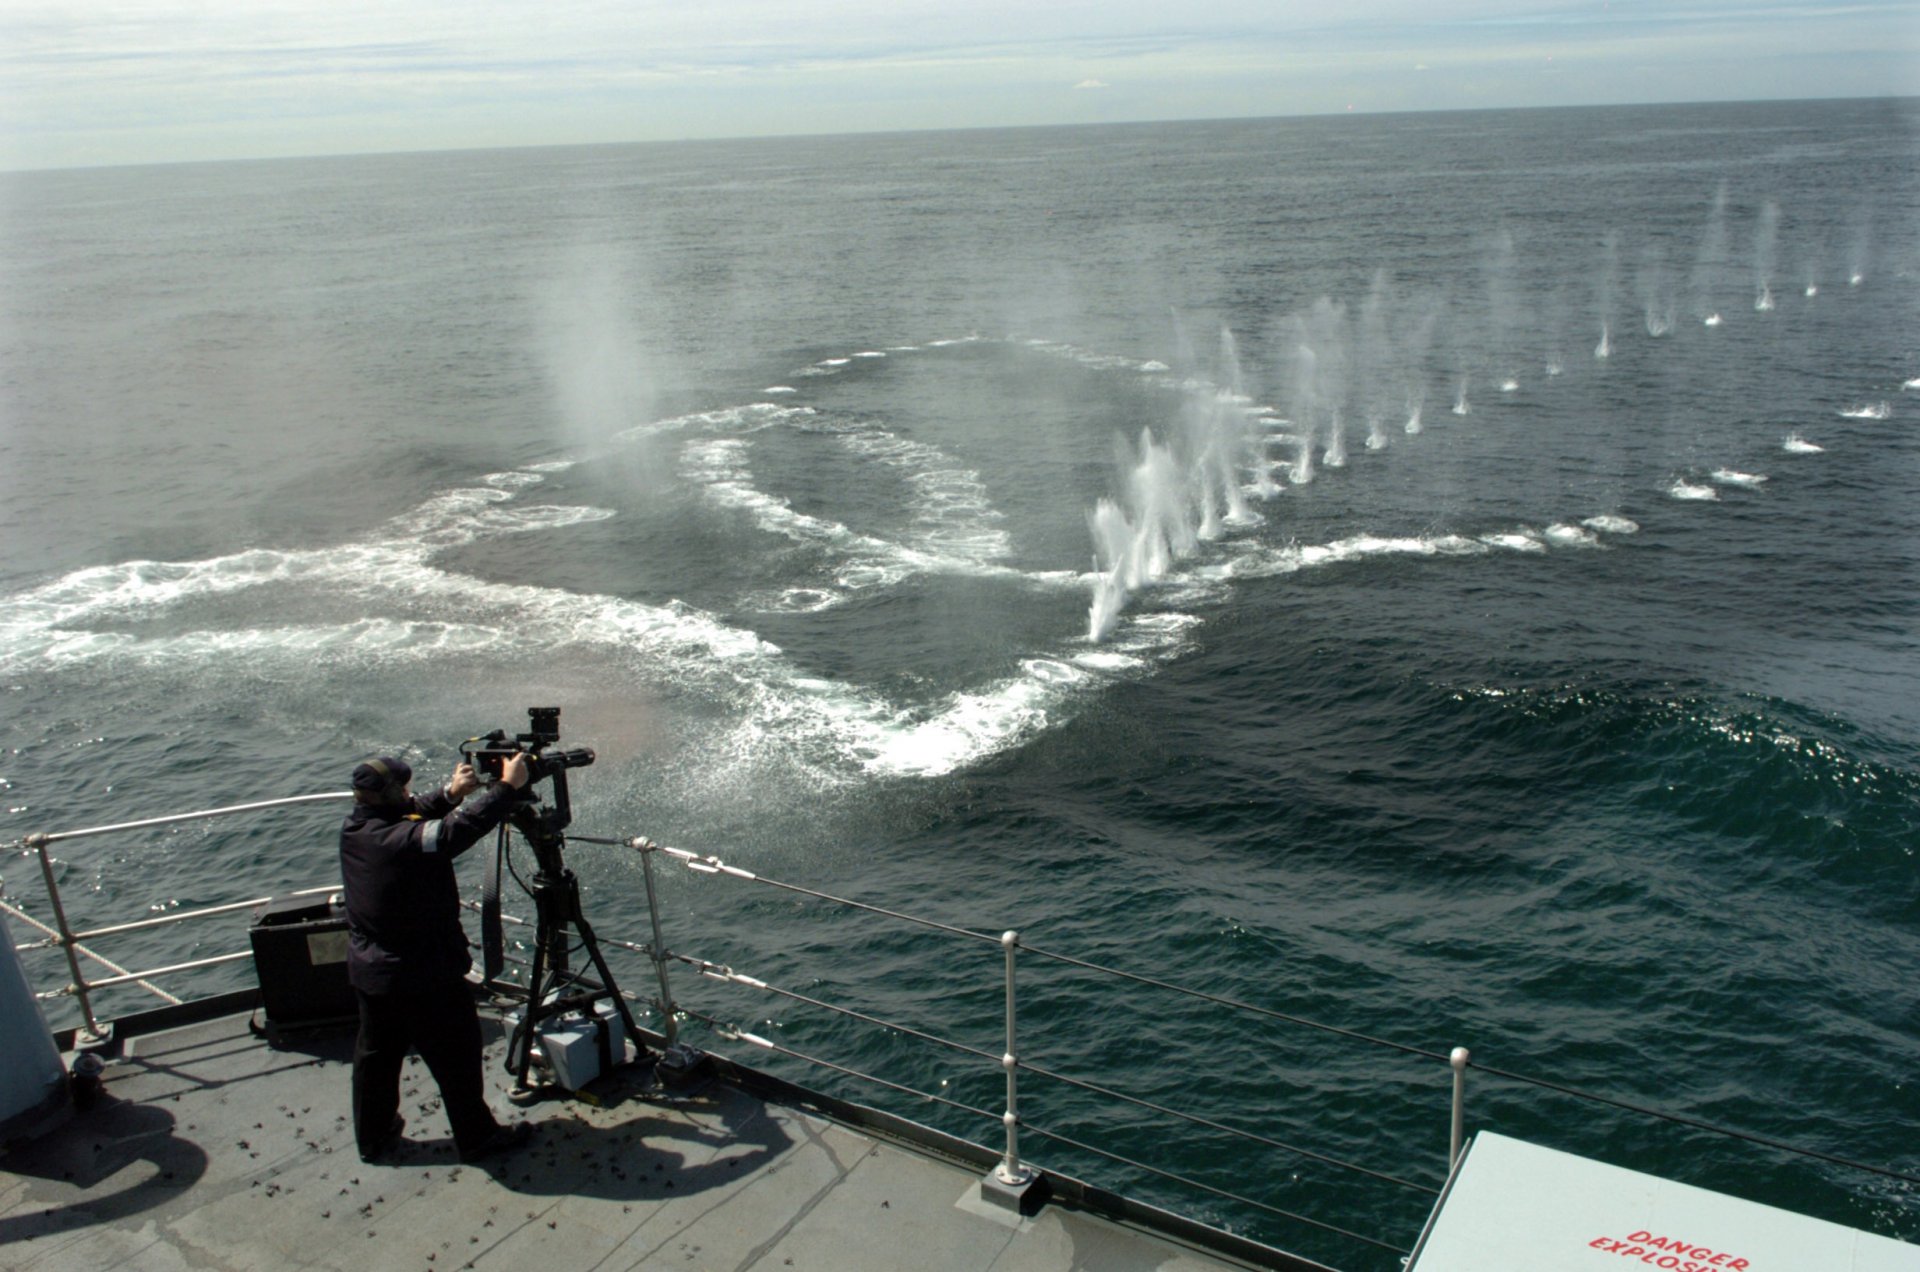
1012,1171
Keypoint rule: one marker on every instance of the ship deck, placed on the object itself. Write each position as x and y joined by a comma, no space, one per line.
211,1149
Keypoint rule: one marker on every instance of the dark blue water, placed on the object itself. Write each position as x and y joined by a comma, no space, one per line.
1451,577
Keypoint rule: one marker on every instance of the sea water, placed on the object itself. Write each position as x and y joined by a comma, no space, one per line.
1451,577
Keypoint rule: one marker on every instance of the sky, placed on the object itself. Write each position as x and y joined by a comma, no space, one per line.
160,81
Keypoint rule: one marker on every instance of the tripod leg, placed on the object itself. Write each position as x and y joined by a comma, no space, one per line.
606,973
520,1049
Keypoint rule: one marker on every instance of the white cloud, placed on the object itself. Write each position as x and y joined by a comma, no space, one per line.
1091,83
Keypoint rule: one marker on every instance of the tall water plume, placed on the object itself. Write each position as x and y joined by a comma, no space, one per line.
1859,245
1174,494
1373,362
1766,249
1708,279
1607,292
1415,339
1214,427
1655,286
1503,312
592,350
1319,392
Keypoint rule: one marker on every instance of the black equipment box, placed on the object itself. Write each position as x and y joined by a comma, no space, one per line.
300,954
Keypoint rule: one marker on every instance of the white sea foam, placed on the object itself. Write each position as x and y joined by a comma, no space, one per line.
749,418
791,600
1912,384
1609,523
1870,411
967,727
1565,535
392,576
1731,477
719,467
1109,660
954,528
954,519
1052,671
1798,445
1682,489
779,388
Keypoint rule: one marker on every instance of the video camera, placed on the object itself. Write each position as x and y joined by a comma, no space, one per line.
490,752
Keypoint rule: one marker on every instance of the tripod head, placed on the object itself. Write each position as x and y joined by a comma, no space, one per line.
541,825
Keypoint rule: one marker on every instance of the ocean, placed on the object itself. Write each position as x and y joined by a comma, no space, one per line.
1447,577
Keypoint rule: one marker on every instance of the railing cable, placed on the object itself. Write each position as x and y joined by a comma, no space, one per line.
719,972
1218,1192
734,1034
54,940
714,865
39,838
1124,1098
731,1033
1223,1001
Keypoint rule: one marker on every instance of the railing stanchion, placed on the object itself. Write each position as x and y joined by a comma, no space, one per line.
672,1028
1458,1060
1010,1177
93,1032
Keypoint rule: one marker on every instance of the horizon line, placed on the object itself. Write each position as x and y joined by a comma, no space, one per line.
1348,113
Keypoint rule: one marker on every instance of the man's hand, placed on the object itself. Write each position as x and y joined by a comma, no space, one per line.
514,771
465,782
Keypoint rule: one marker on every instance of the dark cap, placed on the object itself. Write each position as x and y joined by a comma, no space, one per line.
381,781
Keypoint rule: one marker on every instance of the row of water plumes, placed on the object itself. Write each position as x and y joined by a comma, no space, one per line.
1368,370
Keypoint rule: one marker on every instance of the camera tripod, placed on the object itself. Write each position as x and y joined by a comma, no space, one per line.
553,987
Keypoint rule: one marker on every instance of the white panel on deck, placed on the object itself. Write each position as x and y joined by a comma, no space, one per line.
1517,1207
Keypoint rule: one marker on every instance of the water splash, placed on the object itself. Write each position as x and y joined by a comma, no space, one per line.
1609,285
1709,277
1766,237
1138,541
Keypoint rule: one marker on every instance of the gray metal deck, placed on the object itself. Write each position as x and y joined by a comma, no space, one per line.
211,1149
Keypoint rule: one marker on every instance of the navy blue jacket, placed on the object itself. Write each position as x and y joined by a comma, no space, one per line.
403,902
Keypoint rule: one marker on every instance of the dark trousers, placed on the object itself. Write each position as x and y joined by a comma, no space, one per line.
444,1028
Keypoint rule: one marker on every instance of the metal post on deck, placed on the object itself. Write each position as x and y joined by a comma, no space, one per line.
672,1027
93,1033
1010,1184
1458,1060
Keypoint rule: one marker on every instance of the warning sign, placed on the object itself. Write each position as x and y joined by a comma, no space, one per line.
1516,1207
1672,1253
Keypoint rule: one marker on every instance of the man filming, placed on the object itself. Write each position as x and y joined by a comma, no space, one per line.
407,956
